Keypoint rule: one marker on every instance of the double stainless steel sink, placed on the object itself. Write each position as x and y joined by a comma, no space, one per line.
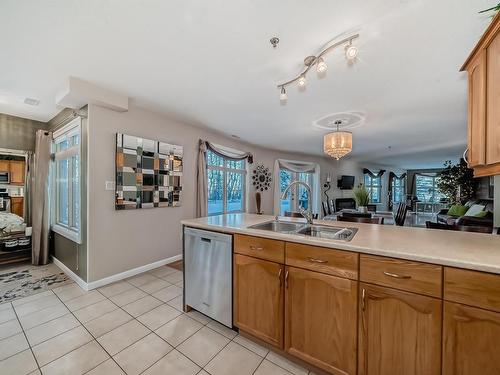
314,230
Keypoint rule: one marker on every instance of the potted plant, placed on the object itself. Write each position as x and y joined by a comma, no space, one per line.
362,198
495,8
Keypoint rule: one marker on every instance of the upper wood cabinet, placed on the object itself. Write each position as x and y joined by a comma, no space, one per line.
320,319
258,298
399,332
17,172
4,166
483,67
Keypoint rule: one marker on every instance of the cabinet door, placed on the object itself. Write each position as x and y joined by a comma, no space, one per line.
17,206
470,341
258,298
399,332
17,172
477,112
320,319
4,165
493,103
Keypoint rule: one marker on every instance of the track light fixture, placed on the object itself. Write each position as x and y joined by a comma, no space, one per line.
351,52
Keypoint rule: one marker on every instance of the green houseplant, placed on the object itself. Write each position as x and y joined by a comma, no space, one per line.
456,182
362,197
495,8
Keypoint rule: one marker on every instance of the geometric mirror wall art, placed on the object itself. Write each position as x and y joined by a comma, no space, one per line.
148,173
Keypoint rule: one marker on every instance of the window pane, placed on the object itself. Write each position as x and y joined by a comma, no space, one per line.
62,191
215,191
75,160
62,145
425,188
234,186
75,140
303,195
236,164
285,180
215,160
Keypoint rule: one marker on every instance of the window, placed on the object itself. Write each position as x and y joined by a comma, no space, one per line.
67,180
427,190
398,190
374,186
297,196
226,184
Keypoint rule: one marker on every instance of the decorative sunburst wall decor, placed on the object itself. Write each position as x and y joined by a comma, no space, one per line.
261,178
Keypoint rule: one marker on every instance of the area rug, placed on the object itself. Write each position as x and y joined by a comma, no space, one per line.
25,279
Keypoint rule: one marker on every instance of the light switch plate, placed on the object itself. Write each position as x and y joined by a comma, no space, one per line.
109,185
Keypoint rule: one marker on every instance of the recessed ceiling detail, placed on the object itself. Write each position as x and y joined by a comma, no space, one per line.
345,120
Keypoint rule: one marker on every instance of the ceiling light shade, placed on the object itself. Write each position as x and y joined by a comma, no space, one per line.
351,52
321,65
302,81
283,95
337,144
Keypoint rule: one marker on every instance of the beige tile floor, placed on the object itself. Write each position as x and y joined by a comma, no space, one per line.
135,326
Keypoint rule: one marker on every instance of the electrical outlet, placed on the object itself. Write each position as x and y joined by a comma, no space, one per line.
109,185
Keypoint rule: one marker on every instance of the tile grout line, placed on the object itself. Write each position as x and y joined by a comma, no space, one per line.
94,339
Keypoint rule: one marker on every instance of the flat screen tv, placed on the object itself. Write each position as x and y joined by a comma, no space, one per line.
345,182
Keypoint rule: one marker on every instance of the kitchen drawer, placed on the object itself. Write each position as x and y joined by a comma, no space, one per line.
401,274
472,288
258,247
321,259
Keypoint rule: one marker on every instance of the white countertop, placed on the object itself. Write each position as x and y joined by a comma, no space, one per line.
475,251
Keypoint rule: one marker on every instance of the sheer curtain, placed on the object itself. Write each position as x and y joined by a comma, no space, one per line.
41,203
298,166
28,183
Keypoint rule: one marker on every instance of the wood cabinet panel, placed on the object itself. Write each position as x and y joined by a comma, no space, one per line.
399,332
17,172
320,319
4,166
17,206
334,262
493,101
258,298
476,128
402,274
261,248
470,341
472,288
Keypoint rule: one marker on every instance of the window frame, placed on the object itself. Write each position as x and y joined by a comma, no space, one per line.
435,190
225,172
72,230
295,190
371,186
402,187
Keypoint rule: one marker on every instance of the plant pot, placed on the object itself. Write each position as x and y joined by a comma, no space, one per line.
363,209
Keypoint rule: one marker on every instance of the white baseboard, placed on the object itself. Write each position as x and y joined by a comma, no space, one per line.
117,277
77,279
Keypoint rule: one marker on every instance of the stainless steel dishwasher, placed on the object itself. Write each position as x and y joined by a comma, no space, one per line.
208,273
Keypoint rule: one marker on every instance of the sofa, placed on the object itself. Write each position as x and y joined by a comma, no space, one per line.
487,221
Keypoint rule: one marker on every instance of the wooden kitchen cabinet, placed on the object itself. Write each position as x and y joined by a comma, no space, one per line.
4,166
17,172
399,332
17,206
258,298
470,340
483,67
320,319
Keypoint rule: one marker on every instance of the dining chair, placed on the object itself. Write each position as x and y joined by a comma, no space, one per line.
400,217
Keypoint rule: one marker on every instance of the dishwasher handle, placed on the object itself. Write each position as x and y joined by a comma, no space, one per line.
204,239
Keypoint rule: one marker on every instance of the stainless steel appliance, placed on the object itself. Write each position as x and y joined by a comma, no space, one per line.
4,177
208,274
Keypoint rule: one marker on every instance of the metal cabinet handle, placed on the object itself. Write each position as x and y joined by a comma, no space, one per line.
363,299
286,279
252,247
314,260
396,276
279,276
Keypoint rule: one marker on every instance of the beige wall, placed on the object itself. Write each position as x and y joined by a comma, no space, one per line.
18,133
122,240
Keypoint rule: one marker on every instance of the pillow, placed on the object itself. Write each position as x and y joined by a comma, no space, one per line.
457,210
475,209
481,214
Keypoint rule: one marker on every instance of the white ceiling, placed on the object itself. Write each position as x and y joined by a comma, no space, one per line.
210,63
